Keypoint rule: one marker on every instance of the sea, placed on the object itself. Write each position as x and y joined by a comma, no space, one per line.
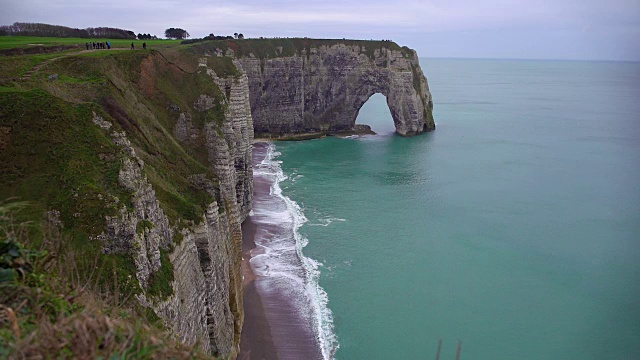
510,232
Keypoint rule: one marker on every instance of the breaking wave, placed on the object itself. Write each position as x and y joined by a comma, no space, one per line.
278,256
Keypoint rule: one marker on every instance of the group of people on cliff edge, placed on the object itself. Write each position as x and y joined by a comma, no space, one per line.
97,45
107,45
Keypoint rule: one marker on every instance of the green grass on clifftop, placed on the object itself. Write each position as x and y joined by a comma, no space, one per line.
8,42
281,47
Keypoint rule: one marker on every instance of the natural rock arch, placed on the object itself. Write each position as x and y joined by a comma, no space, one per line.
372,116
321,90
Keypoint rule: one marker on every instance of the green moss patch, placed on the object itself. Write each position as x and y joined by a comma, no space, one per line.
160,281
143,225
54,156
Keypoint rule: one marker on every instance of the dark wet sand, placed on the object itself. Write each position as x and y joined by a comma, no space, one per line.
272,329
255,341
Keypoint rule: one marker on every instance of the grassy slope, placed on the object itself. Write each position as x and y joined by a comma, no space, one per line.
133,90
54,157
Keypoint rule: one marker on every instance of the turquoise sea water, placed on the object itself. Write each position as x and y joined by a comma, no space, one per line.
514,228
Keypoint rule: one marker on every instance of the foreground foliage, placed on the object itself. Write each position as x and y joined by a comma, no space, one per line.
49,310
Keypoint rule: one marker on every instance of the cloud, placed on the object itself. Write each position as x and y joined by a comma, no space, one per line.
352,19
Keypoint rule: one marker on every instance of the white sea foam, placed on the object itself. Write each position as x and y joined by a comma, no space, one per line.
278,256
327,221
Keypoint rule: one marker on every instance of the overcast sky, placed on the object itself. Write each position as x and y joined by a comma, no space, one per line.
534,29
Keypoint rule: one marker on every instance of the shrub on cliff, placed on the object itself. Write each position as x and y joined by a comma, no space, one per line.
208,37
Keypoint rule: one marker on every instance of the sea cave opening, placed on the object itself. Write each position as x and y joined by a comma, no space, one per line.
375,113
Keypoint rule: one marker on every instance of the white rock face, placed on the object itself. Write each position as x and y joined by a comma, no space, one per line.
206,304
323,91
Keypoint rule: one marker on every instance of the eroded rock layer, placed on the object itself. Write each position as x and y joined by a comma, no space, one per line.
321,89
204,303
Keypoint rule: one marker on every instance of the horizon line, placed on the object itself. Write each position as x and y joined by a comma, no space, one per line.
525,59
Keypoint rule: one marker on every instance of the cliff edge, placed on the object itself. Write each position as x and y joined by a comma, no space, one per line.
145,166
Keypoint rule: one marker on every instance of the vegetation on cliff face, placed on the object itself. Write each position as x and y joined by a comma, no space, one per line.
50,308
67,168
281,47
53,153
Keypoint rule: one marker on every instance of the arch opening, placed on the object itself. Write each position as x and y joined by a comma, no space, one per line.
376,113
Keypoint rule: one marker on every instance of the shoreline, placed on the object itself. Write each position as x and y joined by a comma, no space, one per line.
274,328
357,129
255,341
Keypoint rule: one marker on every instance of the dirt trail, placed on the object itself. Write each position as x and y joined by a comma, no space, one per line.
27,75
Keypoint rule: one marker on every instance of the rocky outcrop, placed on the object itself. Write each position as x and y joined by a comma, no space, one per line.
236,138
321,89
230,155
144,229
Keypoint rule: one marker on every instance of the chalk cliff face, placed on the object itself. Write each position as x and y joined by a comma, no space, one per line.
321,89
211,296
205,301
